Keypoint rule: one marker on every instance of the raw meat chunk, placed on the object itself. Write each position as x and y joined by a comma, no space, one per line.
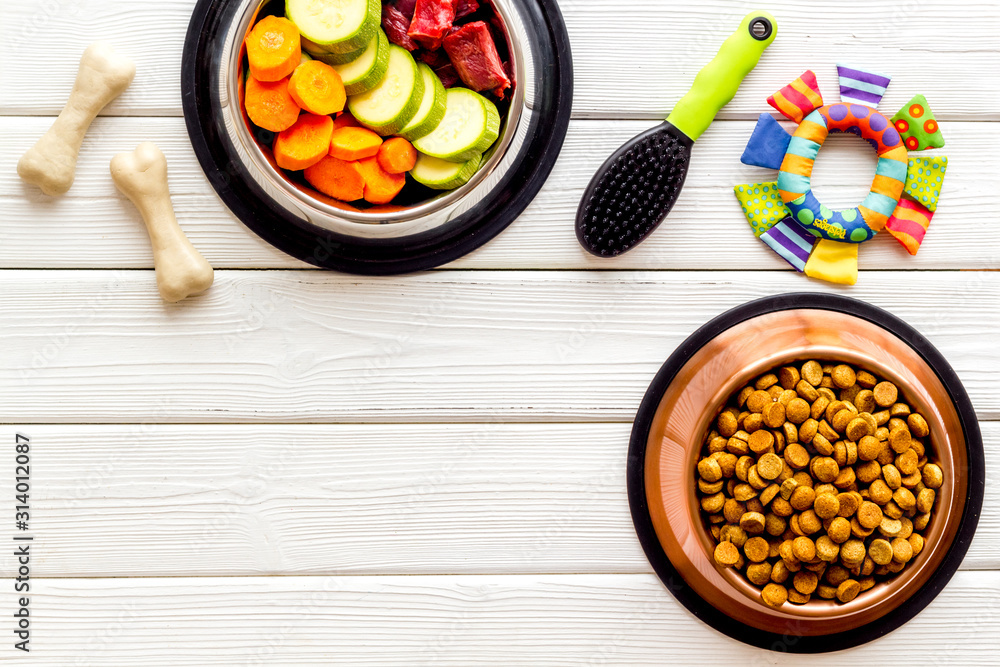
474,55
431,20
396,24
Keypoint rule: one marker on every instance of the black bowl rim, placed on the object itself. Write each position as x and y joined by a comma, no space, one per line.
637,489
320,247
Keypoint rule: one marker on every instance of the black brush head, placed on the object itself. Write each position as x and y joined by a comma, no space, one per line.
633,191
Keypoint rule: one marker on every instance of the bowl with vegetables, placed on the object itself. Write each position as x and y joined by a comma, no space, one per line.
377,138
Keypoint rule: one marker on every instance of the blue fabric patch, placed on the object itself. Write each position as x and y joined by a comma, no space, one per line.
880,203
767,144
803,148
793,182
891,168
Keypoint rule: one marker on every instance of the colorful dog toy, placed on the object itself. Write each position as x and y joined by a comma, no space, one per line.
788,217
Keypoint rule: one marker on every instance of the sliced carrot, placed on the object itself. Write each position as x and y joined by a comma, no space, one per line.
345,120
337,178
269,105
397,155
305,143
381,187
354,143
274,48
317,88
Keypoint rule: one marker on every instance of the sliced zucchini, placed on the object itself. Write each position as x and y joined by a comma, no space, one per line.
338,26
364,72
320,53
470,125
439,174
431,109
391,104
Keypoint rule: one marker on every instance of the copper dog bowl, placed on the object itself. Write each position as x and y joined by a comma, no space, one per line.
695,383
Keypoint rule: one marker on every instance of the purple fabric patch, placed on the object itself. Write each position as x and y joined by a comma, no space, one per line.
878,122
790,240
838,111
866,77
855,94
890,137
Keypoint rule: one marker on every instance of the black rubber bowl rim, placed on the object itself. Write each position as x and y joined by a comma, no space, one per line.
323,248
637,488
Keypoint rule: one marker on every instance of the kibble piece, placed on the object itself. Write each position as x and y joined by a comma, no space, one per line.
866,379
864,401
826,505
885,394
879,492
843,376
755,480
869,448
907,528
786,397
803,548
713,503
710,470
932,476
918,425
880,551
752,522
797,410
733,533
900,410
858,428
848,590
852,552
768,494
758,401
822,445
733,510
727,424
818,409
812,372
868,472
726,554
849,504
809,522
756,549
779,572
869,515
805,582
824,468
769,466
709,488
806,391
789,376
902,552
890,474
759,574
859,531
761,441
765,381
899,439
890,527
916,541
796,456
826,549
841,419
774,415
892,510
752,422
774,595
905,499
802,498
826,592
925,500
907,463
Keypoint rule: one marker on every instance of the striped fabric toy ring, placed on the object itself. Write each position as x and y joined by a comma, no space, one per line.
794,179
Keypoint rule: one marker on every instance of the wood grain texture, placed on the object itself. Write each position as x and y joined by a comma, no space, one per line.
100,346
93,226
373,499
552,620
938,48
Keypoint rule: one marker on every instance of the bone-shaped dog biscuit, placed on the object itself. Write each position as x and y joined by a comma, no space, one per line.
142,177
51,163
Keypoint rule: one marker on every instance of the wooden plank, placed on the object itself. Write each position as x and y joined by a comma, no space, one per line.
95,227
348,499
446,621
940,50
291,346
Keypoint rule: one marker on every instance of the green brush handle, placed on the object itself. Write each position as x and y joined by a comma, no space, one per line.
718,81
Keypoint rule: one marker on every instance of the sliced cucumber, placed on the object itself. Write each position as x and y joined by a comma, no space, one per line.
364,72
391,104
431,109
339,26
439,174
470,125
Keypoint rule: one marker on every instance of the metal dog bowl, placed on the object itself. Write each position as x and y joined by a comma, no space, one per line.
695,383
382,239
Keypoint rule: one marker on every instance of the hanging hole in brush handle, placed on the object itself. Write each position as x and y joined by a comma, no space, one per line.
760,28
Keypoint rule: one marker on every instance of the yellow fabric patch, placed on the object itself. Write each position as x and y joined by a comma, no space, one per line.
834,262
796,164
815,132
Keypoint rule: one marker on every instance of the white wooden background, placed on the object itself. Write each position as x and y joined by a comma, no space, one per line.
304,468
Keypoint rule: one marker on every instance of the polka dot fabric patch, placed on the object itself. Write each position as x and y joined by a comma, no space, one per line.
915,122
761,204
924,177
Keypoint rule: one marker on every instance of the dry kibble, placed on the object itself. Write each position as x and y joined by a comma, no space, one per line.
885,394
820,478
843,376
932,476
774,595
756,549
918,425
726,554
